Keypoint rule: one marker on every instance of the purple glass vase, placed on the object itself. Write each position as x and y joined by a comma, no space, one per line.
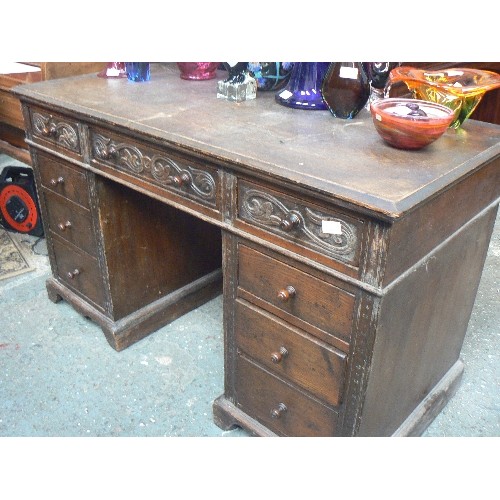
198,70
303,90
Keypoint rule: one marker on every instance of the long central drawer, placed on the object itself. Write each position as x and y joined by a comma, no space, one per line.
188,181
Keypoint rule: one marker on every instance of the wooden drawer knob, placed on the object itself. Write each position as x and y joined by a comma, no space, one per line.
74,274
291,221
107,152
277,357
55,182
181,180
110,152
64,225
49,130
278,411
286,293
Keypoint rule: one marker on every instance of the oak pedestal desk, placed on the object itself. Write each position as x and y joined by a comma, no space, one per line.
349,269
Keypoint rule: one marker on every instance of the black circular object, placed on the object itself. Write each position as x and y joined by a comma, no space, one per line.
19,210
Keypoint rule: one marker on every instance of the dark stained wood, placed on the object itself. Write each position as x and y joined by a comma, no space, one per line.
150,249
420,231
379,180
78,271
70,222
281,407
352,334
306,235
430,407
423,317
311,364
317,302
64,179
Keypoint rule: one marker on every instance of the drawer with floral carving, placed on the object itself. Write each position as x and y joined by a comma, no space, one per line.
186,179
309,227
56,132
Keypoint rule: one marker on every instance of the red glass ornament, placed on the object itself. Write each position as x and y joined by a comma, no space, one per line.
198,70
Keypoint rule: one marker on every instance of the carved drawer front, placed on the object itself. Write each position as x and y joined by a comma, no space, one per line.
325,231
79,271
280,288
184,177
280,407
51,129
70,222
64,179
290,353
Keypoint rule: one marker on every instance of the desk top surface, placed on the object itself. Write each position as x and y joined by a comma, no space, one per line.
344,159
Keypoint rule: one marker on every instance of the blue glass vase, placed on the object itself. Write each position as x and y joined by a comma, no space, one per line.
138,71
303,90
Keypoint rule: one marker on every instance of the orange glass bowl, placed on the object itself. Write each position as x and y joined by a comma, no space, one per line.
460,89
410,123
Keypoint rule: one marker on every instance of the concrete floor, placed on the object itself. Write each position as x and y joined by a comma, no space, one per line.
59,376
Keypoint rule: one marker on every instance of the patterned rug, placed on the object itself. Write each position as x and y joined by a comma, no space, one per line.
12,259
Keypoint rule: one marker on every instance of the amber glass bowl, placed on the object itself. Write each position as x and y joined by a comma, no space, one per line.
460,89
410,123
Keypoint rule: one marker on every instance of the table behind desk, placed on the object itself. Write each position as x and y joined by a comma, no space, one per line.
12,131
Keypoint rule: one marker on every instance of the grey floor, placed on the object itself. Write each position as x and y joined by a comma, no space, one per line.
59,376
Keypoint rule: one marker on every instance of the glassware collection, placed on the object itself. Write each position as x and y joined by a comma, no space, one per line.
441,99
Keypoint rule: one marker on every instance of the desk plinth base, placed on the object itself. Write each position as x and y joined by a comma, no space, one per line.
126,331
227,415
430,407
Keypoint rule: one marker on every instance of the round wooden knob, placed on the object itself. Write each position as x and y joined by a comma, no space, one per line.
112,151
72,275
291,221
278,411
286,293
49,130
181,179
64,225
108,152
277,357
55,182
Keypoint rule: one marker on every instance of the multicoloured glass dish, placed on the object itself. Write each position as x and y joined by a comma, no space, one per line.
460,89
410,123
270,75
